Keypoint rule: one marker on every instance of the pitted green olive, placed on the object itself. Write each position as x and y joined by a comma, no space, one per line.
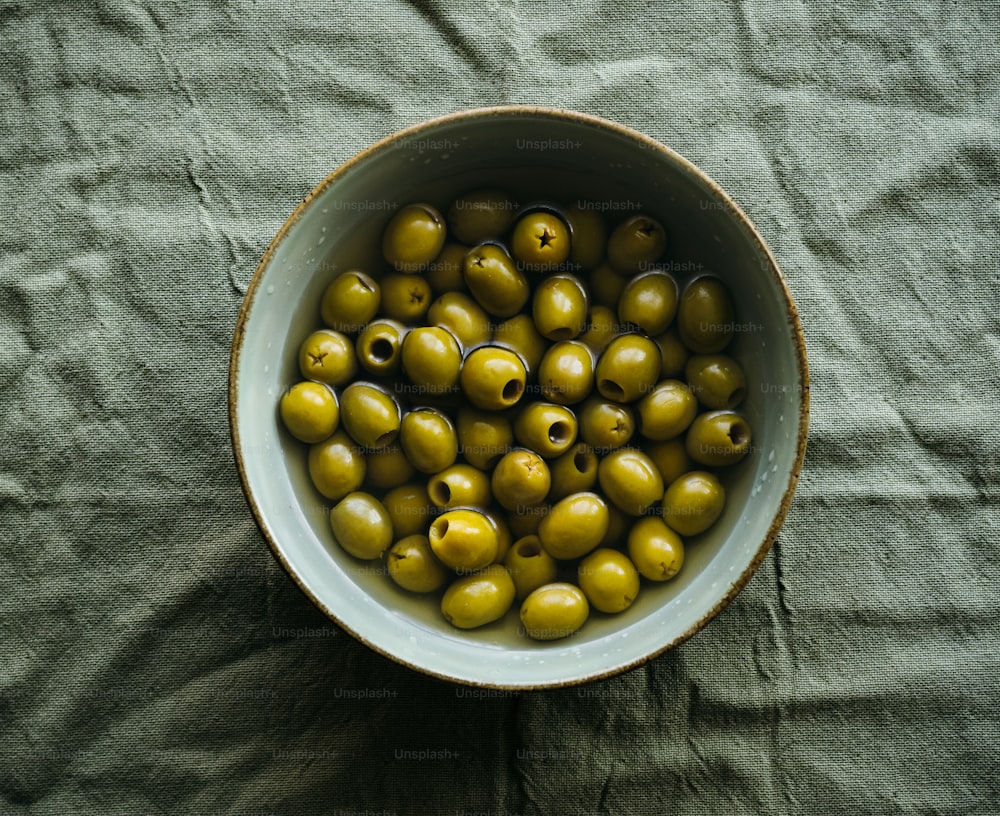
573,472
606,426
519,334
520,480
529,565
379,347
566,372
493,378
411,563
628,369
310,411
667,410
432,360
546,428
554,611
494,280
559,307
350,301
589,236
477,599
481,215
716,380
705,316
609,580
630,480
636,244
328,356
405,298
649,301
361,525
413,237
540,241
369,414
428,439
574,525
655,549
464,539
693,502
409,508
387,467
483,436
336,466
459,486
462,316
718,438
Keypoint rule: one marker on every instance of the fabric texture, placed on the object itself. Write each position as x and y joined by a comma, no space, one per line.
154,658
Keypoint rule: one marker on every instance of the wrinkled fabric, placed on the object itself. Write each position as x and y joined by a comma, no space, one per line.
154,658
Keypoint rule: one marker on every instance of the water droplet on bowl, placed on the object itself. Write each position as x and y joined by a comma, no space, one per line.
270,289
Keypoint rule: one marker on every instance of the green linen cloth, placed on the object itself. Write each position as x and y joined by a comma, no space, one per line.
153,656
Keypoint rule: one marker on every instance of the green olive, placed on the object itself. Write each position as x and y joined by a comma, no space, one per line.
630,480
495,281
574,525
589,236
566,372
481,215
462,316
477,599
493,378
444,273
432,360
606,426
350,301
529,565
410,509
609,580
602,328
520,480
705,316
667,410
606,286
618,526
379,347
428,439
310,411
519,334
554,611
716,380
504,535
483,437
673,353
413,237
635,244
693,502
718,438
459,486
573,472
628,369
387,467
369,414
361,525
328,356
412,564
336,466
405,297
649,301
559,307
655,549
546,428
670,458
464,539
540,241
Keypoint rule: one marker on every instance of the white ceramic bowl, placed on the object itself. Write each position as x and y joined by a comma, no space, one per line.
563,155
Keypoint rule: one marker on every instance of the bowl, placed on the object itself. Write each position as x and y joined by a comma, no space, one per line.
546,153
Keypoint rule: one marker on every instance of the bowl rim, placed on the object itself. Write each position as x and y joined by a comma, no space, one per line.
577,117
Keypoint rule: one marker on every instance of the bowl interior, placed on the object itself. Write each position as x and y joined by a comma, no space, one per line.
536,155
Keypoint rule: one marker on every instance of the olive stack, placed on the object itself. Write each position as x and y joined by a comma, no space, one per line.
526,407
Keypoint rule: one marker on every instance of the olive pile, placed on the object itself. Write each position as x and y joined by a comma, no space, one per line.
525,407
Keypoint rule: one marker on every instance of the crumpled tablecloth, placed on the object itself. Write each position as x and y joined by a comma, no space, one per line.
153,656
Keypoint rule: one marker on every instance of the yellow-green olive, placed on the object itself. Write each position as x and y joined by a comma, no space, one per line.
630,480
361,525
606,426
670,458
328,356
464,539
336,465
409,508
655,549
566,372
493,378
609,580
574,525
717,380
628,369
483,436
705,316
412,564
432,360
413,237
529,565
519,334
369,414
477,599
554,611
428,438
540,241
444,273
602,328
559,307
520,480
481,215
649,301
618,526
459,486
589,236
693,502
548,429
504,535
573,472
673,353
635,244
606,286
495,281
718,438
667,410
350,301
405,297
379,347
387,467
310,411
462,316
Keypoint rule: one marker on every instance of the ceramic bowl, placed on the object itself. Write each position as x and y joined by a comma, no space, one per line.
547,154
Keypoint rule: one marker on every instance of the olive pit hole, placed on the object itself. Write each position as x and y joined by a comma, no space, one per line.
612,390
558,432
739,433
439,528
582,461
735,398
442,494
529,549
512,390
381,350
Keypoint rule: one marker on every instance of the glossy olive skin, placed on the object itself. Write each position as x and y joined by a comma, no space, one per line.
717,380
630,480
412,564
493,378
635,244
361,525
693,502
520,480
462,316
336,466
481,215
477,599
574,525
529,565
459,486
379,347
673,353
444,273
310,411
609,580
670,458
559,307
667,410
429,440
540,241
554,611
369,415
520,335
546,428
494,280
410,509
464,539
649,301
718,438
628,369
566,372
602,328
606,287
328,356
350,301
413,237
705,316
656,550
606,426
405,298
589,236
432,360
573,472
483,436
387,468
